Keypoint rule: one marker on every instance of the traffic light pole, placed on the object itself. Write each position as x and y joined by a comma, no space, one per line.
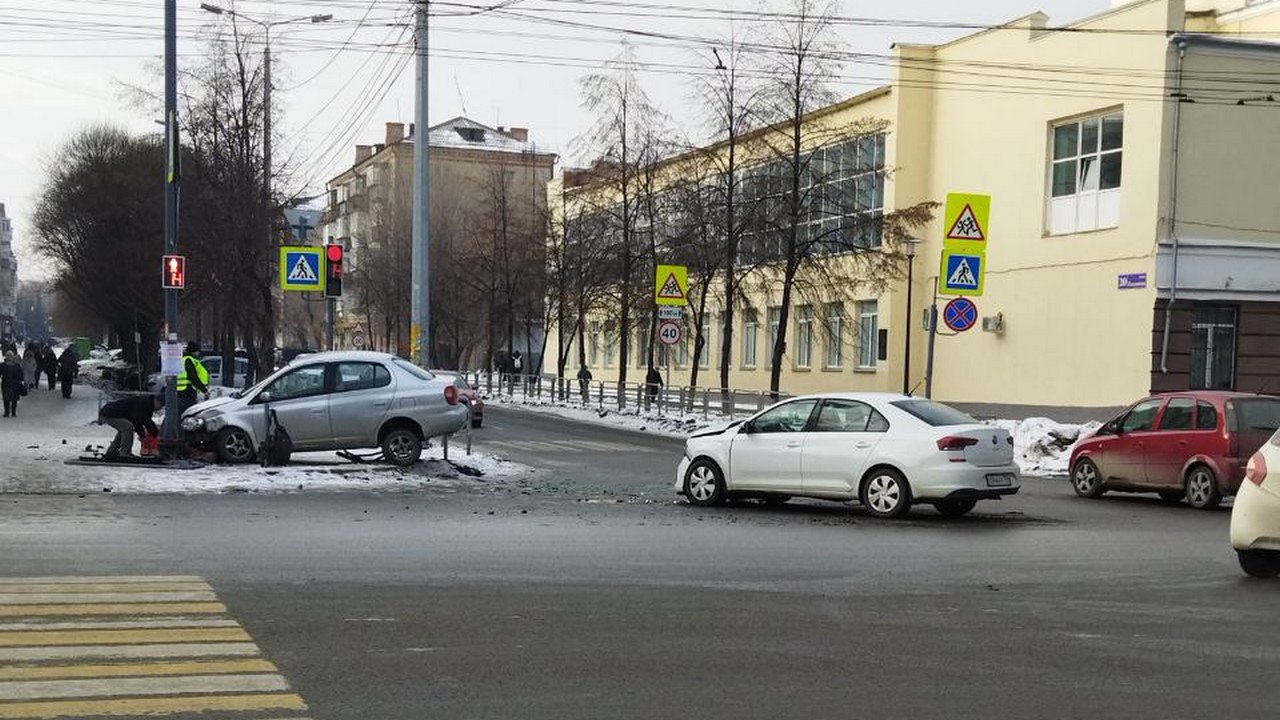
171,433
331,305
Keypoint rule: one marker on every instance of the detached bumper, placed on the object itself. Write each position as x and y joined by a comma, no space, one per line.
681,469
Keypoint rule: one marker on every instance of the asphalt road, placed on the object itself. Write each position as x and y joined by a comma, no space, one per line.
586,591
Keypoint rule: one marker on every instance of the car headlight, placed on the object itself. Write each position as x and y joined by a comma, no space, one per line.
192,423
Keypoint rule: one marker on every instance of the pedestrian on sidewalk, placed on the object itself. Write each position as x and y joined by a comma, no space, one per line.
194,378
48,365
127,416
584,383
68,368
12,383
31,365
652,383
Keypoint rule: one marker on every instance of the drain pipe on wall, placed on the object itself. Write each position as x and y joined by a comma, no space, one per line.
1179,98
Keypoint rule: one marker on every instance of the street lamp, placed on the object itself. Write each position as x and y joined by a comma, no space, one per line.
266,78
911,245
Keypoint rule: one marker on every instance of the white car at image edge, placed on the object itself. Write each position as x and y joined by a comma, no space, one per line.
1255,513
886,451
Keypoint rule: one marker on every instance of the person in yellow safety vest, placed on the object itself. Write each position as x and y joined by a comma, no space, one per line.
194,377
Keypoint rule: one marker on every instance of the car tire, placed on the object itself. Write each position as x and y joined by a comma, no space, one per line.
885,493
1086,479
1202,488
402,446
234,445
1259,563
704,483
955,508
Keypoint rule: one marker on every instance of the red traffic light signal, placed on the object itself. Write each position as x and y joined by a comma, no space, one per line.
173,272
333,256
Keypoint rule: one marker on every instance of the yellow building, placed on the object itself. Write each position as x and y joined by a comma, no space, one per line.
1120,151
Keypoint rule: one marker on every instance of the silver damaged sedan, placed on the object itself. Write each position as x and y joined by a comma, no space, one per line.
333,401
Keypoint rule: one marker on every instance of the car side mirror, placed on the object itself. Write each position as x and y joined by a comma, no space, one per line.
264,397
748,427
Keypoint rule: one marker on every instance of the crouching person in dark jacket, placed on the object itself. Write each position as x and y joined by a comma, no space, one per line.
129,415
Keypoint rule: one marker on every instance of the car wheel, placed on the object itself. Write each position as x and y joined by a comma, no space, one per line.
1172,496
234,445
1202,488
704,483
955,508
1086,480
1259,563
885,494
402,447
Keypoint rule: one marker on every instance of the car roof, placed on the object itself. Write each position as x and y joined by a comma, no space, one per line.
864,396
342,355
1212,394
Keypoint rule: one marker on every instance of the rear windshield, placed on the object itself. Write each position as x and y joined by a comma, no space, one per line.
412,369
935,414
1257,415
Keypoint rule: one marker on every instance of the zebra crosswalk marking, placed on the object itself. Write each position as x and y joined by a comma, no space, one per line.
105,646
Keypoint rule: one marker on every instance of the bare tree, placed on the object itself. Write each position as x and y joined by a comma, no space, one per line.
625,118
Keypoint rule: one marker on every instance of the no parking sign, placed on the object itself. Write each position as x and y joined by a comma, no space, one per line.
960,314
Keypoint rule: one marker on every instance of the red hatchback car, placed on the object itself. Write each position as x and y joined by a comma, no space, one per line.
1191,445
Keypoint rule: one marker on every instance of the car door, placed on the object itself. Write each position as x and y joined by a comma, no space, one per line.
362,393
1125,458
300,399
1170,445
837,446
766,452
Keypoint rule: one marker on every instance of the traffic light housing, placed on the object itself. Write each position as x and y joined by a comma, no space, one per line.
333,257
173,272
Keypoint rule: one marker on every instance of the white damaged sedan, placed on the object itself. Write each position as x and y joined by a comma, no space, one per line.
885,450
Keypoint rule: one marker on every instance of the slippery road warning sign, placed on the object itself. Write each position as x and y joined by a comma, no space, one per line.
300,268
962,273
671,286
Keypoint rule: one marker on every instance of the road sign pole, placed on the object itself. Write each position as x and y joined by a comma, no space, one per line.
171,432
331,304
933,339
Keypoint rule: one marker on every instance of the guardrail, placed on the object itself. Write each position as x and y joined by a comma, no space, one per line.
665,400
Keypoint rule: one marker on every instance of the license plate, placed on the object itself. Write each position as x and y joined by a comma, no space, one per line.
1001,480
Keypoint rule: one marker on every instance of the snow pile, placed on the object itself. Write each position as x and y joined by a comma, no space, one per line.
669,422
1042,446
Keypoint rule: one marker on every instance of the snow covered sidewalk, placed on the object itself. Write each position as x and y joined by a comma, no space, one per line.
50,430
1042,447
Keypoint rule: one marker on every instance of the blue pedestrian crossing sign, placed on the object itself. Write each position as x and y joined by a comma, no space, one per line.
300,268
962,273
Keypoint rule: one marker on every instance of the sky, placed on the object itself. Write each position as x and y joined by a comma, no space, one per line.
64,65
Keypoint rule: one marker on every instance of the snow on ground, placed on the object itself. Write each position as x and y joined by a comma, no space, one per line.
1041,446
50,430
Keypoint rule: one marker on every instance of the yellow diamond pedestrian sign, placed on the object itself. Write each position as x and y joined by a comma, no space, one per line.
671,285
966,221
300,268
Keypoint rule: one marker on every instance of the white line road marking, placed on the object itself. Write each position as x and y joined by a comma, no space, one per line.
188,684
24,654
108,597
561,446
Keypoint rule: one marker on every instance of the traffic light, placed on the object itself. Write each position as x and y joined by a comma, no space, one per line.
173,272
333,255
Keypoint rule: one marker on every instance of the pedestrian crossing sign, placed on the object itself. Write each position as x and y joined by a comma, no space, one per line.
300,268
962,273
966,220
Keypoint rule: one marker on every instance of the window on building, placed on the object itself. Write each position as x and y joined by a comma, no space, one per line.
775,316
868,333
749,324
682,351
804,336
610,347
593,346
1084,176
1213,348
704,357
835,335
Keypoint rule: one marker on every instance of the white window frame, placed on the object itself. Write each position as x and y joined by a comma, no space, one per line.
868,334
593,348
835,336
804,336
750,341
610,347
1088,205
774,316
704,358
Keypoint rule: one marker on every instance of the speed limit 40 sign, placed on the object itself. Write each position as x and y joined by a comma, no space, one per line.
670,332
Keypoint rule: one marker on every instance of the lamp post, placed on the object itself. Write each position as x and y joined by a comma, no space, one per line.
911,244
266,79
